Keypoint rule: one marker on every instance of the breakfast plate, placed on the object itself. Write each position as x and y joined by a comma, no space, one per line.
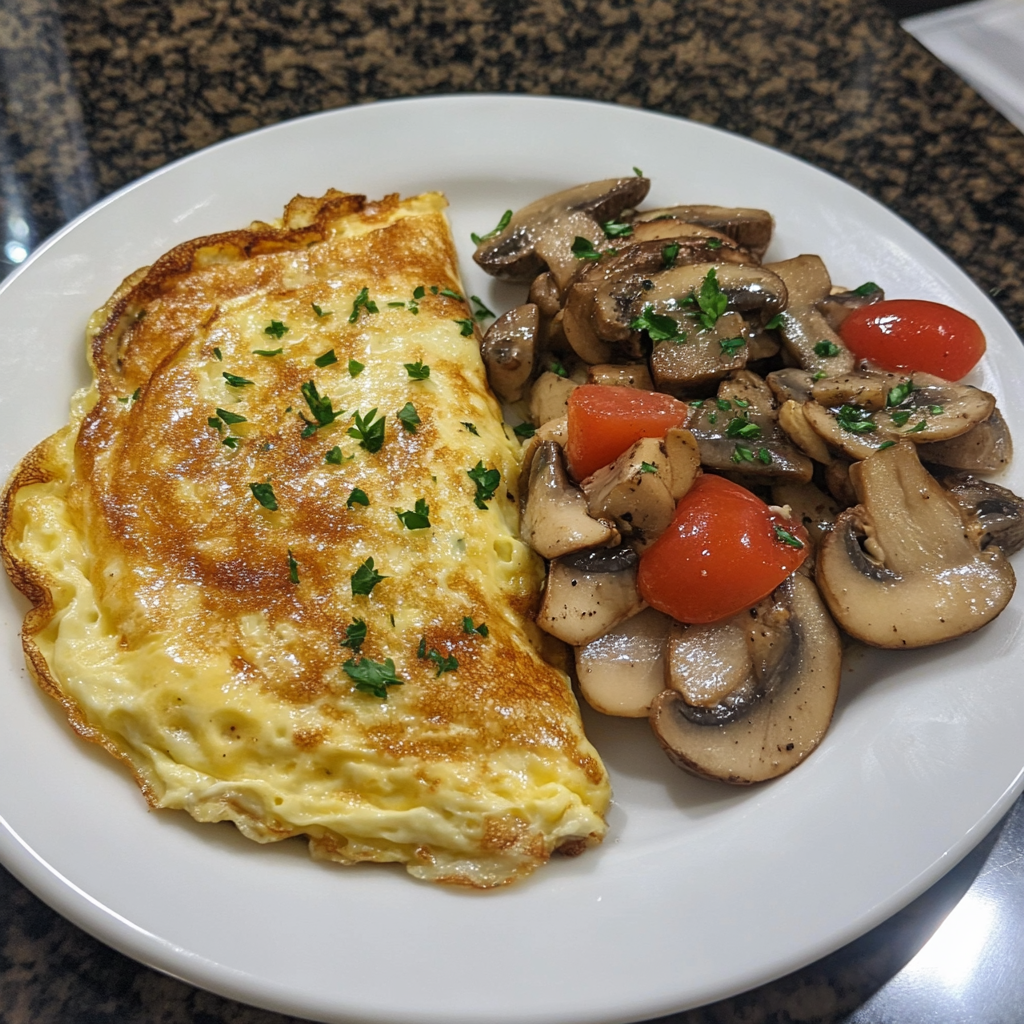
700,890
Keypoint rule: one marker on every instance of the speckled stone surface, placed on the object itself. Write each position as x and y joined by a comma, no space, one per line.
97,92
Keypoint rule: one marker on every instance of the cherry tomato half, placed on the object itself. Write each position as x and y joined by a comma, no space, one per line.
912,334
725,551
604,420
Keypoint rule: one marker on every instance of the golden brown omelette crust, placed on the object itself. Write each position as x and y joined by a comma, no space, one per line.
155,490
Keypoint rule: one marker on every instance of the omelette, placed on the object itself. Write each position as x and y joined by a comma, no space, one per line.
273,558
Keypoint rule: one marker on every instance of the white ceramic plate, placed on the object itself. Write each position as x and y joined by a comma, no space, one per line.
700,890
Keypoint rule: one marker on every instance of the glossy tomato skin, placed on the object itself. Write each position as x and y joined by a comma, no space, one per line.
912,334
720,555
605,420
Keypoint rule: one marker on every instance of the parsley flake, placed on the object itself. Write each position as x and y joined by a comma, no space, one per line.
712,300
417,371
452,294
616,229
217,355
326,359
449,664
420,291
558,369
898,394
486,481
231,442
583,249
826,348
658,326
884,445
900,416
935,410
355,367
268,352
723,403
264,494
524,430
230,417
481,312
321,312
867,288
742,428
235,381
648,467
730,346
638,172
468,627
917,427
357,497
502,224
764,456
371,676
367,431
320,406
669,254
365,578
787,538
775,323
471,428
855,420
466,327
408,417
293,567
336,457
742,454
418,518
362,300
276,330
714,243
355,635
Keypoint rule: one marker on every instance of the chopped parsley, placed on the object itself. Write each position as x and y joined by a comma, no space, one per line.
293,567
449,664
743,428
367,431
362,300
371,676
697,403
264,494
714,243
417,371
466,326
616,229
558,369
468,627
787,538
583,249
355,367
638,172
276,330
217,355
524,430
730,346
132,398
917,427
418,518
658,326
855,420
820,375
775,323
741,403
408,417
481,312
648,467
712,301
365,578
453,295
268,352
336,457
867,288
935,410
742,454
321,312
471,428
231,442
355,635
764,456
884,445
326,359
235,381
486,481
826,348
419,291
320,406
669,253
357,497
502,224
900,416
723,404
230,417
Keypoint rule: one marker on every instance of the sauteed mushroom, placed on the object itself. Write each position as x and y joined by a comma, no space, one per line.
750,228
509,349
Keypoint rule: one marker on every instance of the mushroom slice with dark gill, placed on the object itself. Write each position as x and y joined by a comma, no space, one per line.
994,512
622,672
625,375
549,397
738,434
840,303
985,448
555,521
904,568
805,332
509,349
540,236
752,696
589,593
813,508
748,227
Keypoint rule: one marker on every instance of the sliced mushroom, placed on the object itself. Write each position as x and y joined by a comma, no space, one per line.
552,430
805,332
985,448
903,569
996,513
762,345
793,421
540,235
840,303
509,349
589,593
692,367
848,429
683,455
544,294
549,397
622,672
635,491
791,384
770,704
627,375
669,228
750,228
555,521
837,479
811,507
738,434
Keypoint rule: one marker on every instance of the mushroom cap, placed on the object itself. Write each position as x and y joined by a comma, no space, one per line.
749,227
539,236
903,568
509,350
995,512
985,448
777,728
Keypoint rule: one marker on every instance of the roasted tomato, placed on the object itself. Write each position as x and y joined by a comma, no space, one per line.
912,334
725,551
604,420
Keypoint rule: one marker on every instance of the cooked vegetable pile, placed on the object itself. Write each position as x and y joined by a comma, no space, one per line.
730,464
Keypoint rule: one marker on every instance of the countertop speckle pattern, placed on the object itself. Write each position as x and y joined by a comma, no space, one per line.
97,92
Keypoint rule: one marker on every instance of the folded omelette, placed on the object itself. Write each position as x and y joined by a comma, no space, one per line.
273,558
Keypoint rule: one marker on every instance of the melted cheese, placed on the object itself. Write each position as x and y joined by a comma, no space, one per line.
166,619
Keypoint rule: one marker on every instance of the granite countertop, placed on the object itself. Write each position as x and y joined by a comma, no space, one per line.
98,92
